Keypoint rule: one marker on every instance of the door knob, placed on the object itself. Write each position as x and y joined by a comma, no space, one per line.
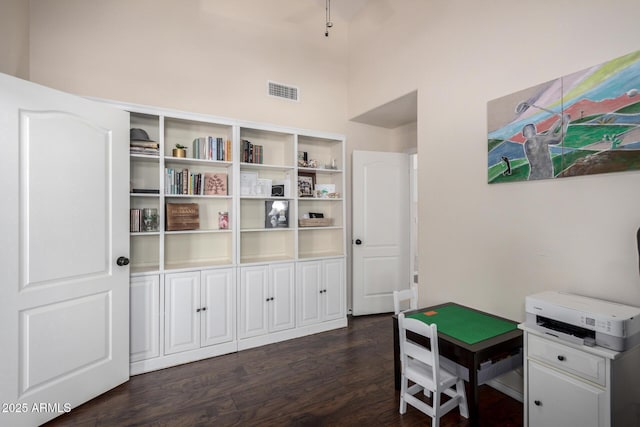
358,242
122,261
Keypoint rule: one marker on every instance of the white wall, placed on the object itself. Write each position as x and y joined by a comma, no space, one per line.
212,57
14,38
488,246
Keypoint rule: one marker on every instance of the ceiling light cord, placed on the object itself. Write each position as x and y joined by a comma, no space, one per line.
328,24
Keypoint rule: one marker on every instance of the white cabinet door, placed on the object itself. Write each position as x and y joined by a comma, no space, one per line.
254,284
144,317
281,297
308,296
218,302
556,399
182,319
320,290
334,289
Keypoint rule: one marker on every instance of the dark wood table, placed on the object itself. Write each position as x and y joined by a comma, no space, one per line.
469,356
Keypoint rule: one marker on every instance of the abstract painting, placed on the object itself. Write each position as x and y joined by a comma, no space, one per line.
587,122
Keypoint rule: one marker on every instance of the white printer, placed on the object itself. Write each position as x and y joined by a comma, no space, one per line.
584,320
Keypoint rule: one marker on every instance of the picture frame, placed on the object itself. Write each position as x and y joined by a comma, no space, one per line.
248,182
276,214
215,184
306,184
277,190
323,190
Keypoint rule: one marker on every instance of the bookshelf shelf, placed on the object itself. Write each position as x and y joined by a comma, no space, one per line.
192,161
199,231
196,196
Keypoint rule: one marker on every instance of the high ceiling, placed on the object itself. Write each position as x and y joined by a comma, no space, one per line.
292,11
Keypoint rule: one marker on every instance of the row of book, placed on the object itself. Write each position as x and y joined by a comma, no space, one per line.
186,182
212,148
148,148
252,153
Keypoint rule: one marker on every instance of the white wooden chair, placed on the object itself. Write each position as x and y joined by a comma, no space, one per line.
410,295
421,366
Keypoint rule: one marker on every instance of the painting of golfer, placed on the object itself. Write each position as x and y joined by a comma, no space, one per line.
587,122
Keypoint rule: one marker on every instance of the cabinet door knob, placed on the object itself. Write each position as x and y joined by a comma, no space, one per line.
561,358
204,308
358,242
537,403
122,261
198,310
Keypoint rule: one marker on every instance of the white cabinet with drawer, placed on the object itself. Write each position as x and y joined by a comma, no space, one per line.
573,385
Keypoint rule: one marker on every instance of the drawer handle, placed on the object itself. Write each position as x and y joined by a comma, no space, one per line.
561,358
537,403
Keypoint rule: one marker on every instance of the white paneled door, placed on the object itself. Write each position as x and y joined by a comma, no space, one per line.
380,229
64,297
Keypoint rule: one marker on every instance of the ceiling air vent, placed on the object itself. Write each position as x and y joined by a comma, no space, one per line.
283,91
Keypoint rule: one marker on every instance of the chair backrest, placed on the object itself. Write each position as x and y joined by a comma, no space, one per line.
410,295
418,351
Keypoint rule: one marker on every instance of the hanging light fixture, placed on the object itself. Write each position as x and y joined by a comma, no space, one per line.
328,24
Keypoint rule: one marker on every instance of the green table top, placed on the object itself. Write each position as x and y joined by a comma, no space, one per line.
464,324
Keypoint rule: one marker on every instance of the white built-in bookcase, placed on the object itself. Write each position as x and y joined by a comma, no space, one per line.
162,261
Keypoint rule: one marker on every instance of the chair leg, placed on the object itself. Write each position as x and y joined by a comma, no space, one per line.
435,404
403,390
462,406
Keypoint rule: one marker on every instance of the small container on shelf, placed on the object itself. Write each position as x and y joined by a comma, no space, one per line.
179,151
149,219
223,220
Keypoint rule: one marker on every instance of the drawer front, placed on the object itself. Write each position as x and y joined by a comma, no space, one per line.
586,365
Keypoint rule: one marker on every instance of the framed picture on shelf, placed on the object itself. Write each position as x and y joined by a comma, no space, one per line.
248,182
215,184
276,214
277,190
306,184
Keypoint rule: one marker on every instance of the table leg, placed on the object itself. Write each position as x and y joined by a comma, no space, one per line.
396,354
472,399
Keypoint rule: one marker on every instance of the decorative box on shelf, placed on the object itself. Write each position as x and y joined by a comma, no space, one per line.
315,222
182,216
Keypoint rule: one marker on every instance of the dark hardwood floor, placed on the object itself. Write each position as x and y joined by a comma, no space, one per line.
337,378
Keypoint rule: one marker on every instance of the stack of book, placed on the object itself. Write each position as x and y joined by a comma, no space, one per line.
186,182
135,220
148,148
212,148
251,153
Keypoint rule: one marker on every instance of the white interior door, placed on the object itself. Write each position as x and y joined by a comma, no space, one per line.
64,305
380,224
